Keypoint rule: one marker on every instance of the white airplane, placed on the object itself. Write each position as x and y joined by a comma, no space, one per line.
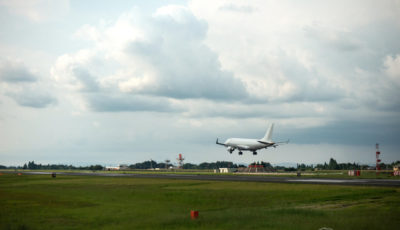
253,145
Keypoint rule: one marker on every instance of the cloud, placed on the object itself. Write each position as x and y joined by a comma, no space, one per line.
323,72
182,56
184,70
37,10
306,52
132,103
392,68
73,71
157,56
77,77
22,85
181,65
304,83
205,108
237,8
339,39
32,98
15,72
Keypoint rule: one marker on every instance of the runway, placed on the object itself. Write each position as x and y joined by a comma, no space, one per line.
243,178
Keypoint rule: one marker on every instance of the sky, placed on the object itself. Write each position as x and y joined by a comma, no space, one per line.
113,82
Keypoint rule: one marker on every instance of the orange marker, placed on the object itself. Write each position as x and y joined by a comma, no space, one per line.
194,214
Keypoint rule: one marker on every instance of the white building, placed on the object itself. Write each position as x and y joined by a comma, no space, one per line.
226,170
114,168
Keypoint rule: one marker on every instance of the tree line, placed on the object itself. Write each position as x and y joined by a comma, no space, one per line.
331,165
334,165
32,165
164,165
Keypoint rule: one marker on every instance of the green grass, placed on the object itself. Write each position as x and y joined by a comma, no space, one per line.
334,174
80,202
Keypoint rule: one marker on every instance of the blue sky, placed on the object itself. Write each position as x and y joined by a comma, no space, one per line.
112,82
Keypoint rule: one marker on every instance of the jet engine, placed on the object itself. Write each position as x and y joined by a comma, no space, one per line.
230,149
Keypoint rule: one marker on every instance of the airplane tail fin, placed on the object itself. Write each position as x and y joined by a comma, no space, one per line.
268,134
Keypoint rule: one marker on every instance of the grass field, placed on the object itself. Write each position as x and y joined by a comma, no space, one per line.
336,174
80,202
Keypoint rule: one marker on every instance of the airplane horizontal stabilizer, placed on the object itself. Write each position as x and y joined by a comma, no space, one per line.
218,143
281,143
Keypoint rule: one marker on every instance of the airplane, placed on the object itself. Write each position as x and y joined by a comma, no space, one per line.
253,145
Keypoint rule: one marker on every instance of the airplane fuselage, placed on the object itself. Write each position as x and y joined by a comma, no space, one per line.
246,144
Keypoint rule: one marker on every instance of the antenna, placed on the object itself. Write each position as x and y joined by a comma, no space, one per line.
378,168
180,161
167,163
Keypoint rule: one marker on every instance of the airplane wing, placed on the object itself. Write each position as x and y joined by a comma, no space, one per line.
218,143
281,143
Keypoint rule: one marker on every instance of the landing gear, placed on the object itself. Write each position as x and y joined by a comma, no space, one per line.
230,149
240,153
254,153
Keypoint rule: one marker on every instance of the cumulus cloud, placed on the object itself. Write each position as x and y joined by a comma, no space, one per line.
161,55
307,52
23,85
180,55
182,66
74,74
392,68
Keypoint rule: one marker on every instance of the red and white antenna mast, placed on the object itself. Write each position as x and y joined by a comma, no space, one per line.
377,159
180,161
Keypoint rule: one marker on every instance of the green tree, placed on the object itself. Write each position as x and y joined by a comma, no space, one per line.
333,164
96,167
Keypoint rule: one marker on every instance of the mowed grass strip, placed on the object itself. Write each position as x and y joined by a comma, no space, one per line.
80,202
332,174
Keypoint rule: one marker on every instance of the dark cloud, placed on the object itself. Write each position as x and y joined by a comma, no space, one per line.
33,99
23,86
348,132
15,73
86,79
204,109
363,47
101,102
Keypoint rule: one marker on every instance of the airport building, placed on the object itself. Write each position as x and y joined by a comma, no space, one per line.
115,168
225,170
